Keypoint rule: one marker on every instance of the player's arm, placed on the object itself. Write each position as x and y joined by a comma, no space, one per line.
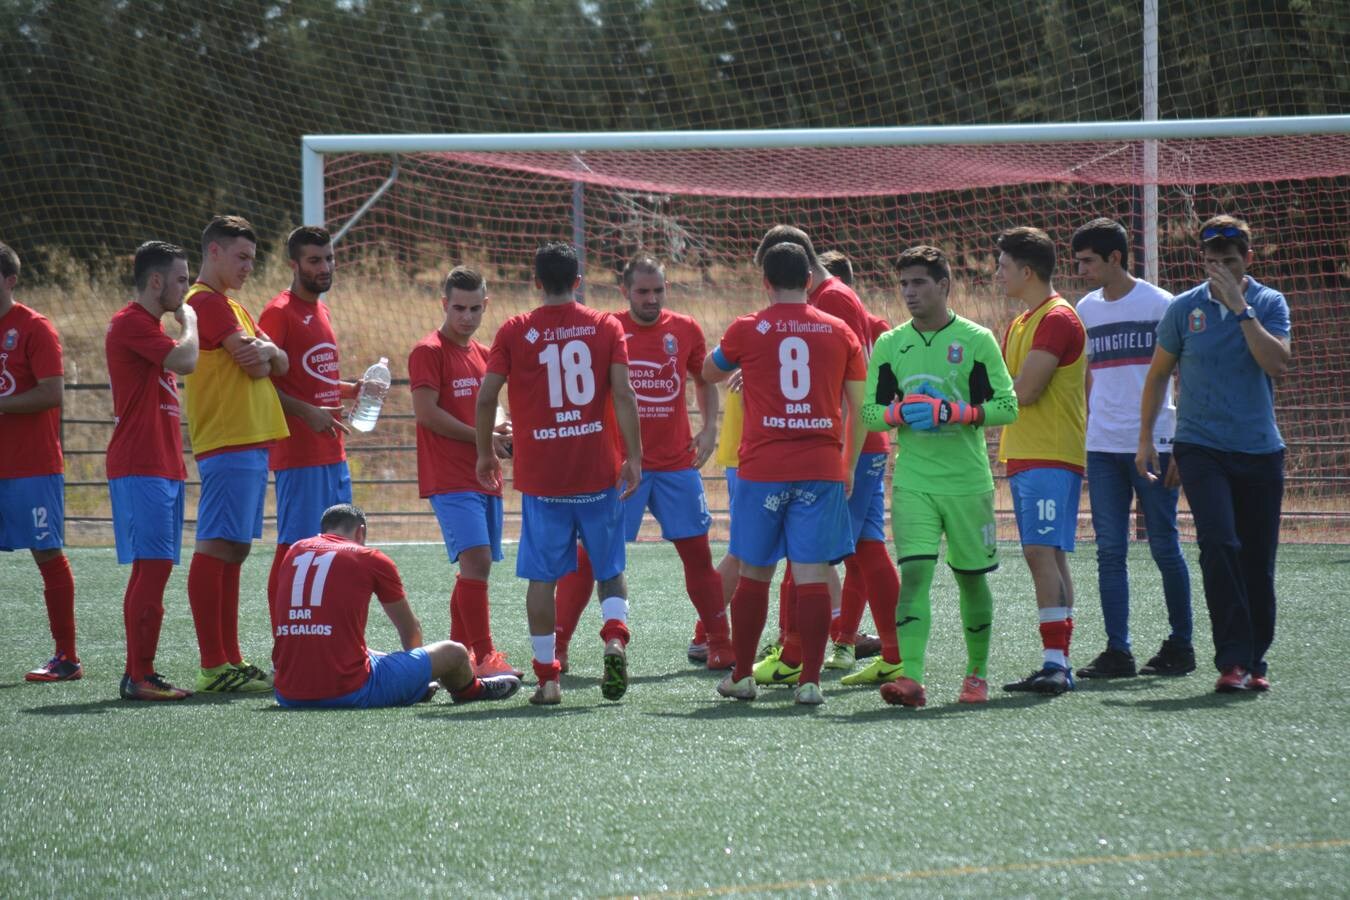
1270,351
1150,402
47,393
880,390
257,356
996,400
716,367
1037,370
489,468
427,411
630,427
320,419
182,359
705,442
855,428
405,622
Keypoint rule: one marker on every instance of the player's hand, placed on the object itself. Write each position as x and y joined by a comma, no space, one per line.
501,445
928,409
703,445
324,419
1172,479
848,480
736,381
489,472
630,476
184,314
249,353
1225,287
1146,462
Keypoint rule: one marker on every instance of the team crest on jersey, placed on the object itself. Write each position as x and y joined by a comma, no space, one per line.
11,339
669,344
763,327
1196,321
955,353
532,335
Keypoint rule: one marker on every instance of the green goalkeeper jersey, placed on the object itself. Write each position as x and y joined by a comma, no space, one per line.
961,361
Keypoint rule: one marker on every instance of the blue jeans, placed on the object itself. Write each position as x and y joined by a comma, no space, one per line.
1113,482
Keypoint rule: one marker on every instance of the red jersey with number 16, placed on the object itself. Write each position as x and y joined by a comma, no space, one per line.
795,359
662,357
556,360
320,609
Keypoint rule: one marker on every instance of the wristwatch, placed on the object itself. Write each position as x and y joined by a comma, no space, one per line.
1247,313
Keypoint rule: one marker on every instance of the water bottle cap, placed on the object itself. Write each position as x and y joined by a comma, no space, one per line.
384,360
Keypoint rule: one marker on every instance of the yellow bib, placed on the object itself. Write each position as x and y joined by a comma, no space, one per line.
1055,426
729,441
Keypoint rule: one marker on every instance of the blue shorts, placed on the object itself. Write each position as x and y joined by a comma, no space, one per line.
1045,502
677,501
550,526
396,679
469,519
234,486
33,512
732,481
304,493
867,504
806,521
147,514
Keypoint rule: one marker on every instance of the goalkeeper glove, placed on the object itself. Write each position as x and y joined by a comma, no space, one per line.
928,409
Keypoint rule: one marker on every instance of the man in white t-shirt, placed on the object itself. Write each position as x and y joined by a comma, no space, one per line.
1121,317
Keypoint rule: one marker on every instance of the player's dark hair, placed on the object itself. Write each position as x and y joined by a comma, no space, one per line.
1225,233
837,264
1102,237
306,236
226,228
342,518
152,257
465,279
9,261
785,234
1030,247
786,267
556,267
643,262
933,260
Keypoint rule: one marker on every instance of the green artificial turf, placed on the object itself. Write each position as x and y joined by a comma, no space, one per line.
1133,786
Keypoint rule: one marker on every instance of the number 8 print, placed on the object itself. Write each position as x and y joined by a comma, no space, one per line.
794,378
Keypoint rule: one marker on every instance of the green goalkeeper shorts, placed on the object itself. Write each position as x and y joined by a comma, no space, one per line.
919,520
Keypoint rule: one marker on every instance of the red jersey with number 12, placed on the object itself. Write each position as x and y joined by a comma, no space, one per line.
320,609
556,360
795,359
30,350
662,358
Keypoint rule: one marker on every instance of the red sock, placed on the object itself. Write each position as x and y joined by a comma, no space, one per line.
785,599
749,610
204,586
789,600
1068,635
457,617
550,672
703,584
143,614
470,690
574,592
1055,635
614,629
813,620
853,600
473,608
229,612
58,591
274,579
883,594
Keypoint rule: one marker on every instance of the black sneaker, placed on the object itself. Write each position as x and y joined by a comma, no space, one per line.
1172,659
1110,664
867,646
1051,679
495,687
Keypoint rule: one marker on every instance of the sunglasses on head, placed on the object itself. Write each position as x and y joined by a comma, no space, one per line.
1221,231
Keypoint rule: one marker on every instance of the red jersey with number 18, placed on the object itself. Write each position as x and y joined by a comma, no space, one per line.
662,358
320,609
795,359
556,360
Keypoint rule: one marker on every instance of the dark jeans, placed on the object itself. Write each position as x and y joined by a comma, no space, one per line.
1235,498
1113,482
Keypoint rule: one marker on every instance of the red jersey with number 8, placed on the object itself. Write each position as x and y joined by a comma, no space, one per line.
795,359
556,360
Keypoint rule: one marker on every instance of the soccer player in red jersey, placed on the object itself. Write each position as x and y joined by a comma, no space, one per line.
320,609
311,464
445,370
145,468
32,483
867,559
665,349
563,364
796,467
233,417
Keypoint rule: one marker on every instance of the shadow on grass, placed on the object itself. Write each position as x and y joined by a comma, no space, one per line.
1207,700
447,712
98,707
12,684
1112,685
997,704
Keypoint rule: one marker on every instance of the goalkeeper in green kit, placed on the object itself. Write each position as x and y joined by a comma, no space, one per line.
938,380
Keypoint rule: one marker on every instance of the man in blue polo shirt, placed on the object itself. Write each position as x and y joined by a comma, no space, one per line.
1231,336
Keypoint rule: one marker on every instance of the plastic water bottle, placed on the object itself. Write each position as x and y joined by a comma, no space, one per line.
374,387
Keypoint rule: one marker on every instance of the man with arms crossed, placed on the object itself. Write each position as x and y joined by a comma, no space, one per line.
1230,336
233,417
145,467
939,379
320,613
664,349
445,370
1121,316
32,483
796,465
561,363
1044,449
311,464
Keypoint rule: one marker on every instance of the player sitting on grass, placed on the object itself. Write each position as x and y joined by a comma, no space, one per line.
320,607
939,379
